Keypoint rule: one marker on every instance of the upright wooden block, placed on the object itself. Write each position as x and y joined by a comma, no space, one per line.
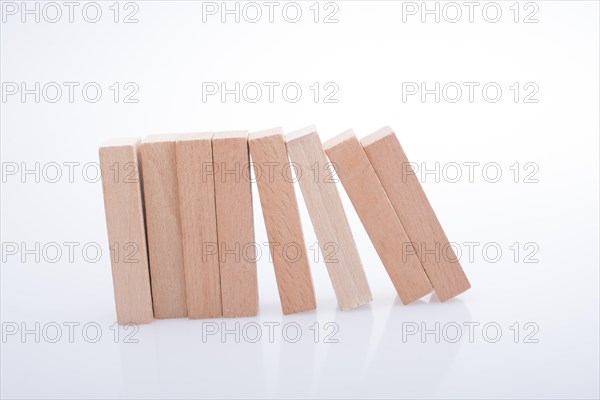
378,217
282,220
416,214
195,179
328,219
235,229
163,226
124,210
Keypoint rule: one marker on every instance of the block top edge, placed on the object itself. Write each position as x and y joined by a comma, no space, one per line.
339,139
278,131
185,137
300,133
377,135
121,142
230,135
161,138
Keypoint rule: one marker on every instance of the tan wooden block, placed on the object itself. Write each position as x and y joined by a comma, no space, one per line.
416,214
163,226
123,205
378,217
199,225
282,220
235,229
328,219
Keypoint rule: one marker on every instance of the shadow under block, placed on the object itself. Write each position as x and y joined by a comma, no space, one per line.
416,214
328,219
198,225
282,221
163,226
124,210
235,229
378,217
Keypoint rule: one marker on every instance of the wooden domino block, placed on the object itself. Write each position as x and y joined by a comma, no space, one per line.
378,217
161,197
282,220
235,229
328,219
195,177
124,210
415,212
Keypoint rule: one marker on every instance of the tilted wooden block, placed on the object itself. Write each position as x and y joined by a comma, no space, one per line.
235,229
161,196
123,204
378,217
195,177
415,212
328,219
282,220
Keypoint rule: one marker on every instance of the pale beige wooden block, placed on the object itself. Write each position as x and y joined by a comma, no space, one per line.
199,225
378,217
416,214
282,220
123,205
161,196
235,229
328,219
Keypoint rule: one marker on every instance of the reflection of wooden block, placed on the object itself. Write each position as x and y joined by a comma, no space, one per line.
378,216
282,220
199,225
328,219
124,209
235,229
416,214
163,226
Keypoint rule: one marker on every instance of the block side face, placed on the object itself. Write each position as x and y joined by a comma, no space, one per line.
417,216
329,222
126,232
163,227
379,219
235,228
199,228
282,222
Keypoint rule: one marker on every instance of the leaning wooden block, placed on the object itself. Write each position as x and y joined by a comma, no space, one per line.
418,218
378,217
163,226
195,177
124,210
328,219
282,220
235,229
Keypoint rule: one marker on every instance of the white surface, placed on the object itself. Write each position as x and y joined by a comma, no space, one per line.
369,53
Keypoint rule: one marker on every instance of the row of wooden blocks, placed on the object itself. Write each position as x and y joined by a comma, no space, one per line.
179,212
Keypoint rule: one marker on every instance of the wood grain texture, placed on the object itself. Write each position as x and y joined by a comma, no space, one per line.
163,226
199,225
378,217
235,228
282,220
415,212
123,205
328,219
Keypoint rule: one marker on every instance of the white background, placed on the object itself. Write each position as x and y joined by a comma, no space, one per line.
368,54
